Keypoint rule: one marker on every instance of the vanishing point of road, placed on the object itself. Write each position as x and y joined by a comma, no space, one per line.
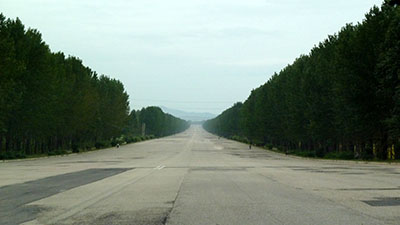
196,178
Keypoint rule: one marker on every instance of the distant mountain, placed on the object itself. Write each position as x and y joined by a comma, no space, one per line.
192,116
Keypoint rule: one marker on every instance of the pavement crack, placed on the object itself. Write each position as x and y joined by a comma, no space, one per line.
168,216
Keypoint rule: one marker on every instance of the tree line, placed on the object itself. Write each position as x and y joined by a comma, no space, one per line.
343,98
51,103
152,121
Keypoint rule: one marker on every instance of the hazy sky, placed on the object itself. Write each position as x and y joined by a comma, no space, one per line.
193,55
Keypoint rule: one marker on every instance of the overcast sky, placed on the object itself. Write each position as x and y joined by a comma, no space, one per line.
193,55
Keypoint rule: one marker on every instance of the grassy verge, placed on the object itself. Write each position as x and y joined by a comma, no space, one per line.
334,155
344,155
88,148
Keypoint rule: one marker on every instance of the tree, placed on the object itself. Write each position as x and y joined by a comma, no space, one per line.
343,96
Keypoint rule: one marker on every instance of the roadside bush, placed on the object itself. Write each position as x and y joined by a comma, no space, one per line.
131,139
240,139
75,148
114,142
88,146
20,155
101,144
367,153
57,152
128,139
339,155
319,152
2,155
6,155
269,146
51,153
12,155
258,143
136,139
304,153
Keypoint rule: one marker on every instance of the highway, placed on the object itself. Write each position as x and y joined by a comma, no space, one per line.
196,178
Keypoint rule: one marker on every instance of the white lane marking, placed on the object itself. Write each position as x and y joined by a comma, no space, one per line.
160,167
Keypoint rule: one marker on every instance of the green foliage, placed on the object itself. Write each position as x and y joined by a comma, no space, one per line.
240,139
343,95
50,103
12,155
227,124
339,155
57,152
269,146
303,153
155,123
102,144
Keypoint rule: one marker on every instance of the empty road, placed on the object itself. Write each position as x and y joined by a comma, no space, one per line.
196,178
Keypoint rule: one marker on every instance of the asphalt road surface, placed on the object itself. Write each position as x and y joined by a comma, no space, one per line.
196,178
